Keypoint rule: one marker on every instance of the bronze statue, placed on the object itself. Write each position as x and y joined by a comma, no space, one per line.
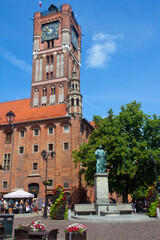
101,165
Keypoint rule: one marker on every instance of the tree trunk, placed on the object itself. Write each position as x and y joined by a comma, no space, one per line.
125,197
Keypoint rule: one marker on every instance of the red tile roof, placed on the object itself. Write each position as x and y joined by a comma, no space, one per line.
24,113
92,123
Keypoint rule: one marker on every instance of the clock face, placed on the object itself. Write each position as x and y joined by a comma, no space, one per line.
74,38
50,31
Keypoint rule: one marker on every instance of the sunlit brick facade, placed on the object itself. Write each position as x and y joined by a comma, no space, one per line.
52,118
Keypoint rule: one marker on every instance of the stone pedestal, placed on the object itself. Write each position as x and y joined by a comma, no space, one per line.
101,196
101,190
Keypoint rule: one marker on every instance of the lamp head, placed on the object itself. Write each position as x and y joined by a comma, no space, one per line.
53,154
10,117
43,154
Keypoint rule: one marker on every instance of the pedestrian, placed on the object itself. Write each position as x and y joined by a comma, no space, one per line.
21,207
35,207
6,206
10,203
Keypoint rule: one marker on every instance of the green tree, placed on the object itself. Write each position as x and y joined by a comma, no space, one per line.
128,138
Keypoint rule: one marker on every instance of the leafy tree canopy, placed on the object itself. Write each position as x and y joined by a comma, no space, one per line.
129,138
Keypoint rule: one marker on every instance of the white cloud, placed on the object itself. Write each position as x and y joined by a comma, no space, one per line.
103,45
21,64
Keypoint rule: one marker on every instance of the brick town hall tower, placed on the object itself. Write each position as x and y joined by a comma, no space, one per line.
51,119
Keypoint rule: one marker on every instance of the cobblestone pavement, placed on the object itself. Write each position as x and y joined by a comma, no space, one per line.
103,231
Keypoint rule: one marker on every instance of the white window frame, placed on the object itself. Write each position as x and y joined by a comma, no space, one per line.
49,132
19,150
35,135
3,184
33,167
7,162
20,133
33,148
64,131
48,147
68,146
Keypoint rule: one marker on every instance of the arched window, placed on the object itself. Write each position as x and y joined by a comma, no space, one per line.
53,96
53,90
72,101
35,98
47,60
58,65
72,86
40,70
61,93
51,75
52,43
77,102
62,64
51,58
37,69
36,93
44,92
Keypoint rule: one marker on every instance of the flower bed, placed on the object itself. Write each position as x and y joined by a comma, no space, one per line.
75,231
37,226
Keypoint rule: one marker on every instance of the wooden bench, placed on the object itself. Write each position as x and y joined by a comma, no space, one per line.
124,208
84,209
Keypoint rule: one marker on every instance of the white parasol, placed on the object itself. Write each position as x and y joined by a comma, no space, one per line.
18,194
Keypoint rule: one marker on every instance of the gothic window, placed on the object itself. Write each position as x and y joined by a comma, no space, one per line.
51,59
6,162
40,70
36,93
52,43
47,60
47,76
61,93
72,86
53,90
62,64
77,102
48,44
37,69
35,99
52,96
51,75
58,65
72,101
44,92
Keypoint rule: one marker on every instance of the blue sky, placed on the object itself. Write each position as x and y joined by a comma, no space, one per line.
120,52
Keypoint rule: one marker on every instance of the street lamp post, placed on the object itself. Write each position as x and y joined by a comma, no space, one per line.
10,118
45,155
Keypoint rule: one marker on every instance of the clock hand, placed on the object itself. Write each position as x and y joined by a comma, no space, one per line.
48,29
